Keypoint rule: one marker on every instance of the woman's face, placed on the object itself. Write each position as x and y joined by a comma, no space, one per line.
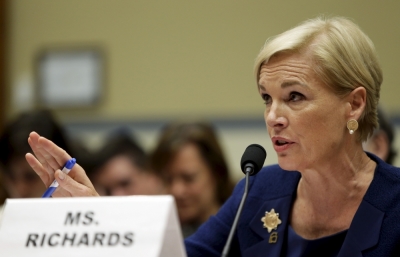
305,120
21,181
119,176
192,184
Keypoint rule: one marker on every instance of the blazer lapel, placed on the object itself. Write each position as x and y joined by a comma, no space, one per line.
363,232
265,247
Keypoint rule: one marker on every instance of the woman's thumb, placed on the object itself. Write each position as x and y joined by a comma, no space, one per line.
67,183
73,187
60,175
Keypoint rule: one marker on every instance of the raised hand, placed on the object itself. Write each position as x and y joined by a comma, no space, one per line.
47,162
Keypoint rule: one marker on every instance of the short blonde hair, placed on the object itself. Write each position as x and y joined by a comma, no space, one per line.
344,57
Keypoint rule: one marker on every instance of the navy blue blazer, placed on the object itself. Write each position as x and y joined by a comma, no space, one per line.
374,231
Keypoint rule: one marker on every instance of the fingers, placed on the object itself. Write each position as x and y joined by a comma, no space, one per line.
57,157
49,159
47,162
47,153
38,168
54,155
33,142
72,186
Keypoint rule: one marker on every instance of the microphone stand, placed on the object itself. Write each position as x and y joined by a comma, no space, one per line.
249,170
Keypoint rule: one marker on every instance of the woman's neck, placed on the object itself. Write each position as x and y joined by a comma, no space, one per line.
342,179
328,198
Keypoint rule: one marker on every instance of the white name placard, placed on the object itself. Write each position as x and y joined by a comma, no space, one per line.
96,226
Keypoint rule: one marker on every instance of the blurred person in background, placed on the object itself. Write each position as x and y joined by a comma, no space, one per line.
19,179
122,168
382,140
193,165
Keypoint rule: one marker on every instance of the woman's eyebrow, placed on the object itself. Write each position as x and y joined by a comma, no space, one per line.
261,87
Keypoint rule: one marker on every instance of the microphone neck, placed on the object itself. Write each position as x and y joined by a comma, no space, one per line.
249,169
239,211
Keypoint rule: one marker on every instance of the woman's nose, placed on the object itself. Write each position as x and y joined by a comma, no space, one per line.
177,188
274,117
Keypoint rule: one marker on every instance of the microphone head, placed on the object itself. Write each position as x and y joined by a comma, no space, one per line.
254,154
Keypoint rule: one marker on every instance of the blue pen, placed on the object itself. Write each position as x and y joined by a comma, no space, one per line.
67,167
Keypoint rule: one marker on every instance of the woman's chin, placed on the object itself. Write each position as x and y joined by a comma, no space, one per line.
287,164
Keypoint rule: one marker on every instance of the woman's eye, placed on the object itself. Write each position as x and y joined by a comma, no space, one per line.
189,178
295,96
266,98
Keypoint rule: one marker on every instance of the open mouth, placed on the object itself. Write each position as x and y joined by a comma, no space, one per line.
280,142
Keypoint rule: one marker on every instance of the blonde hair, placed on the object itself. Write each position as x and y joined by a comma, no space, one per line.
344,57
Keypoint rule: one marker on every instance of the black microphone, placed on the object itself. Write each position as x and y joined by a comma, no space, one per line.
251,163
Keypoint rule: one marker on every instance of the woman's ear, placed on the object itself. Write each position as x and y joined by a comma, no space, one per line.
357,100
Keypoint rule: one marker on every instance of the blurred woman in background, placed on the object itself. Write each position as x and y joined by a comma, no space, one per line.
190,159
19,179
121,167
